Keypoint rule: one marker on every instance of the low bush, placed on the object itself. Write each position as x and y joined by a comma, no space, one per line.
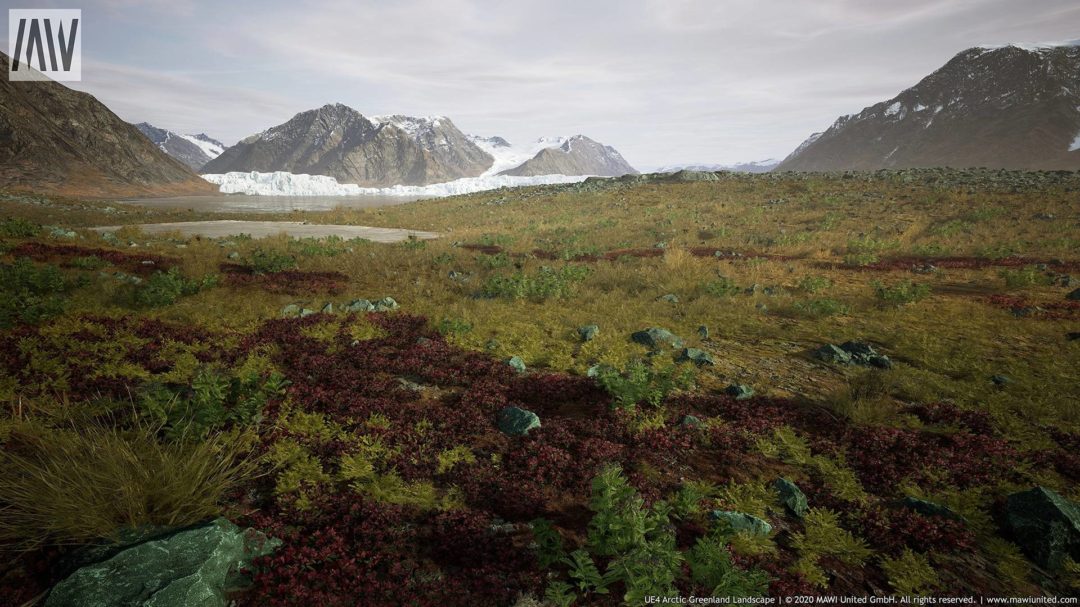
30,293
1027,276
821,308
641,382
166,288
721,287
903,293
814,284
268,261
540,285
212,402
15,227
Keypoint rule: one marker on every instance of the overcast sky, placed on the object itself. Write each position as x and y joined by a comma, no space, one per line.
663,81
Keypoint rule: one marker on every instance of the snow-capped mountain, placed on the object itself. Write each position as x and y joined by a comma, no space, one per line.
577,155
192,150
1004,106
338,141
757,166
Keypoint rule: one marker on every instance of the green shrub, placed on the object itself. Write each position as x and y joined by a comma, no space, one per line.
902,293
821,308
29,293
711,567
491,262
545,283
86,483
268,261
640,382
1028,276
212,401
166,288
814,284
453,326
722,287
910,574
88,262
14,227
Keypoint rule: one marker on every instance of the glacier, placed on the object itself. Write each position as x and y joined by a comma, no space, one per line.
281,183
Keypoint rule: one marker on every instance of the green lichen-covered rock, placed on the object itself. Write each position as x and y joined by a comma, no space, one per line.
669,298
791,497
516,363
385,304
655,338
588,332
739,391
696,356
703,332
290,311
832,354
689,421
359,305
189,568
328,308
1073,295
741,522
1045,525
930,508
514,421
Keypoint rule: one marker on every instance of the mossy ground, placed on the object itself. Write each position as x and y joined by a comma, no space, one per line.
774,266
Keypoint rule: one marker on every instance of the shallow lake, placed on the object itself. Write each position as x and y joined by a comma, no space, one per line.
242,203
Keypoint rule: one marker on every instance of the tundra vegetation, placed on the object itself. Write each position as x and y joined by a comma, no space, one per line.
166,380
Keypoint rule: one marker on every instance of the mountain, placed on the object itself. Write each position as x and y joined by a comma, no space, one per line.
192,150
577,155
54,140
1012,106
757,166
337,141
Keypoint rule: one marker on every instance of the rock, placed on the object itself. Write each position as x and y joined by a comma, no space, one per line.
689,421
832,354
740,521
514,421
59,232
290,310
1000,380
192,567
516,363
703,332
696,356
655,338
752,289
386,303
1072,335
669,298
1045,525
791,497
739,391
931,509
328,308
305,312
359,305
588,332
233,255
1073,295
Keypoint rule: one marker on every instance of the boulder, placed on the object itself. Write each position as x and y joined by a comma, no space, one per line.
1045,525
588,332
926,508
1073,295
739,391
689,421
516,363
514,421
669,298
386,303
703,332
832,354
359,305
290,311
741,522
328,308
853,353
655,338
192,567
696,356
791,497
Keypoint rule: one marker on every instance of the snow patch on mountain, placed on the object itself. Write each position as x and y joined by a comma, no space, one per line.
211,148
281,183
756,166
509,156
1075,144
1030,46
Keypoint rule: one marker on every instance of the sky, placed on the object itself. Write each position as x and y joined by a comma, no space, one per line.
663,81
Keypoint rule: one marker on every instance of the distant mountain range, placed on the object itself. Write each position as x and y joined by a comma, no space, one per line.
757,166
380,151
192,150
54,140
1012,106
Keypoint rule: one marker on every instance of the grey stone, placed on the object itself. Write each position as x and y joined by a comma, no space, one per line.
386,303
1045,525
192,567
1000,380
669,298
359,305
514,421
791,497
233,255
655,338
739,391
930,508
1073,295
290,310
328,308
689,421
703,332
588,332
696,356
516,363
741,522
